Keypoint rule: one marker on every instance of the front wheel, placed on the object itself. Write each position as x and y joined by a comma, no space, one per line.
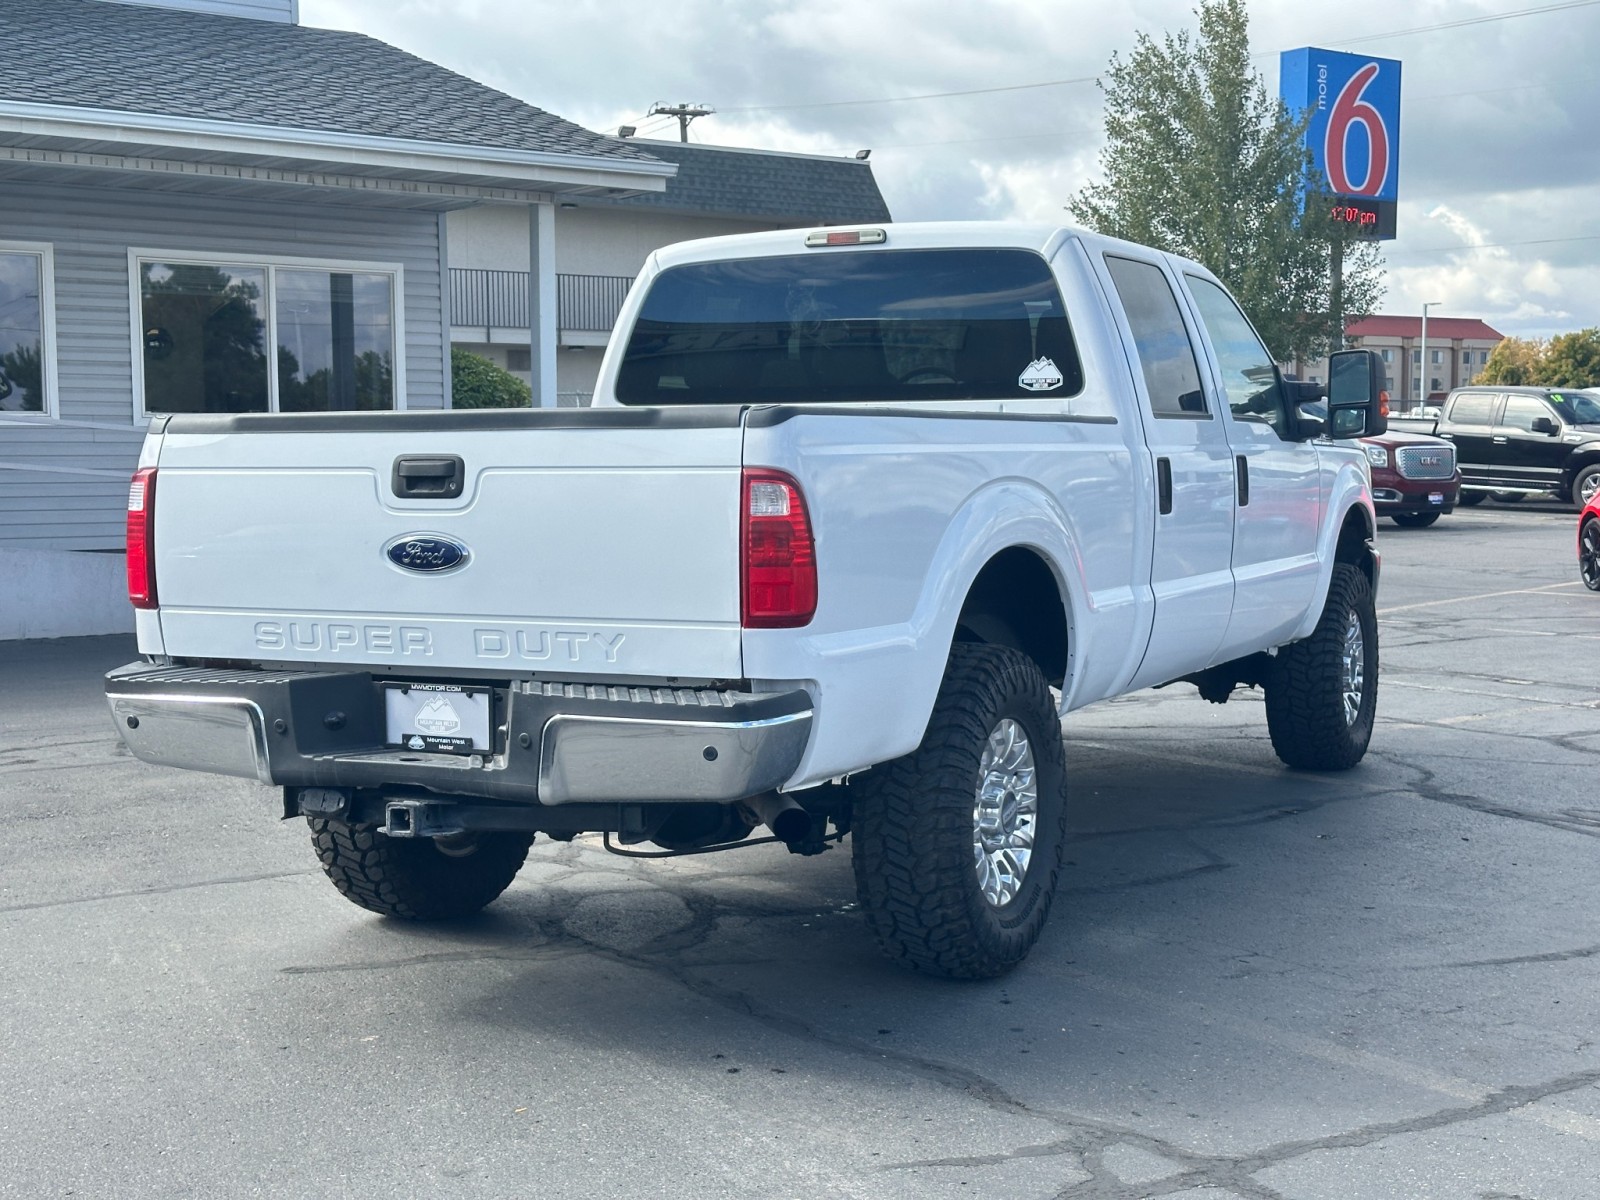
1415,520
1323,692
958,845
417,879
1589,554
1473,498
1585,486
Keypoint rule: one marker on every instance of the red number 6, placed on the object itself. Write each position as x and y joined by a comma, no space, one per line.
1350,109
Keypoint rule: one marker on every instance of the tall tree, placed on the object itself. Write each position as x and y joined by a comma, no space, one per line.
1201,161
1514,361
1572,360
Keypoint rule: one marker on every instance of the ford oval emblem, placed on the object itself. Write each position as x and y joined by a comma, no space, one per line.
427,553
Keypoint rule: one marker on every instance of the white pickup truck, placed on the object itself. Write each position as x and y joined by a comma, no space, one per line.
856,516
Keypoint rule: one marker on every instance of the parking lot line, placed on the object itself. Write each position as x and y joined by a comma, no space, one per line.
1549,587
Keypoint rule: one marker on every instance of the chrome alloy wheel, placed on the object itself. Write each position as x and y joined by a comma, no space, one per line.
1589,555
1353,670
1004,813
1588,489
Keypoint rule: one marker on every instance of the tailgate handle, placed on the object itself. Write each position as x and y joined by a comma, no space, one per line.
437,475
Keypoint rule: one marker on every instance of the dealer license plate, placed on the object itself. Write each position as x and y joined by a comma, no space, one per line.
1435,497
438,717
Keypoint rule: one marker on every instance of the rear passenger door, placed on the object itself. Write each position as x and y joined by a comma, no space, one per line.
1278,481
1191,575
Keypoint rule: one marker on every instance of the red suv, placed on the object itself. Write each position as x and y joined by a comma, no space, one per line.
1414,477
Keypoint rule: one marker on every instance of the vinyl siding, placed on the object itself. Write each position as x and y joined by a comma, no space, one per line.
91,230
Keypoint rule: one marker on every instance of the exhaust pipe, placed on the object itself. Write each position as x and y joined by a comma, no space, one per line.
789,822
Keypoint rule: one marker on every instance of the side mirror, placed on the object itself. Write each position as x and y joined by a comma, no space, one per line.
1545,426
1357,404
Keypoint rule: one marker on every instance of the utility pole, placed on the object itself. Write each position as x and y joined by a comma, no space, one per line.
684,112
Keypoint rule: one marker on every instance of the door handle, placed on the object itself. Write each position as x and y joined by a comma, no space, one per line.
419,477
1164,485
1242,471
1498,441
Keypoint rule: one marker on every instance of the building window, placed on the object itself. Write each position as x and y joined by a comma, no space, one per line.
1388,384
27,311
1466,358
1388,356
206,327
1433,356
518,359
1416,358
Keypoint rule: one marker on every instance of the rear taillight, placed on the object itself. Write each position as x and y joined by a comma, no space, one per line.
778,559
141,538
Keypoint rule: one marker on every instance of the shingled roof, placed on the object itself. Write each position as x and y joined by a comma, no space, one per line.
1443,329
761,183
200,66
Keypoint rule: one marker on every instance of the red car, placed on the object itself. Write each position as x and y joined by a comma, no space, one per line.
1414,477
1589,544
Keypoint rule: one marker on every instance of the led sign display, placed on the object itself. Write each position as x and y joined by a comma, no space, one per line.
1354,131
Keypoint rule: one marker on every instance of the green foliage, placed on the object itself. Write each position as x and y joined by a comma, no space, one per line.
1514,361
1200,161
476,382
1570,360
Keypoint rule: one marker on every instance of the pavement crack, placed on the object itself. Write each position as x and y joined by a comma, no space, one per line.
492,954
1555,956
1580,821
159,891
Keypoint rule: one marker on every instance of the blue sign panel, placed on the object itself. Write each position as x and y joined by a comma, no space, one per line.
1354,135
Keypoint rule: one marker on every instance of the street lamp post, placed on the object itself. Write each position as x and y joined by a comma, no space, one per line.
1422,355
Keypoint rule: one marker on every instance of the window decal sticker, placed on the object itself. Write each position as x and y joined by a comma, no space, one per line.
1041,375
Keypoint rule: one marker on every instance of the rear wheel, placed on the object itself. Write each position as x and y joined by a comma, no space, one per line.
958,845
1415,520
1585,486
1506,497
1589,554
417,879
1323,693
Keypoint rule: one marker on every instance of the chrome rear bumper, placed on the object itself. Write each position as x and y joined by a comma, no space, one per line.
555,743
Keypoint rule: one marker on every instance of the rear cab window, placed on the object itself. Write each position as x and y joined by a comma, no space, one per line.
853,327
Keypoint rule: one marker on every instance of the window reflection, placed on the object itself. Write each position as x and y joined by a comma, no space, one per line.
204,333
335,341
21,332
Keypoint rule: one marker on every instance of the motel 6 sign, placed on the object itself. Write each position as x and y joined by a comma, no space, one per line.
1354,134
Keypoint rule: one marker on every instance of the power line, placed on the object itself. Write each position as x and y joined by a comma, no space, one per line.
1015,87
1022,87
1498,245
1465,21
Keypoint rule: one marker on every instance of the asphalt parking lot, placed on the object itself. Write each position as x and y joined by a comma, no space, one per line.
1257,983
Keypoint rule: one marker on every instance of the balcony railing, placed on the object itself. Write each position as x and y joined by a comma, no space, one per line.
499,300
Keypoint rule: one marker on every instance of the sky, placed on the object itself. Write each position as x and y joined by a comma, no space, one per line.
1499,201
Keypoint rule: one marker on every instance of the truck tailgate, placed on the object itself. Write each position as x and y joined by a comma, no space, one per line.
595,542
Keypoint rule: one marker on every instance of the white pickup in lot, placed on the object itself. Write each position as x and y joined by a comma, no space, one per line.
849,505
